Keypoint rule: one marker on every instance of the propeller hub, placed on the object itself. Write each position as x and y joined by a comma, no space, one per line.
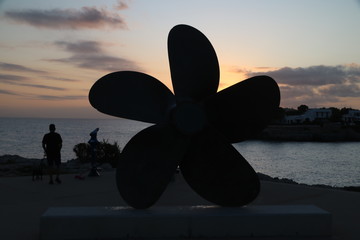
189,117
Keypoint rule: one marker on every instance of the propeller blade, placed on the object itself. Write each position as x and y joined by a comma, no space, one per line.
217,171
147,164
193,64
132,95
244,109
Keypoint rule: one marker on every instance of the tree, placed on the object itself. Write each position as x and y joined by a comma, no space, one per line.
302,109
344,110
279,114
106,152
291,112
335,114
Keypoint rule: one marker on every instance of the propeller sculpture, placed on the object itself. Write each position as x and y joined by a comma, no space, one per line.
193,128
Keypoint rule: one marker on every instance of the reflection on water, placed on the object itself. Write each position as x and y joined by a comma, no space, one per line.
335,164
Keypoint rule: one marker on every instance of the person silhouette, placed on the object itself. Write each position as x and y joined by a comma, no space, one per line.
52,144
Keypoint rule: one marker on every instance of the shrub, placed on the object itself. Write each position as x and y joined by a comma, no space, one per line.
105,152
82,152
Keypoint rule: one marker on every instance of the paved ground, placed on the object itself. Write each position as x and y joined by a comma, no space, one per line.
23,201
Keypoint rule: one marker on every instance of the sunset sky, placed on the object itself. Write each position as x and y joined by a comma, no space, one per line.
53,51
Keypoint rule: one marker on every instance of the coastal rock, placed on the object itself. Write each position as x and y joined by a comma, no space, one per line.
15,165
265,177
15,159
319,133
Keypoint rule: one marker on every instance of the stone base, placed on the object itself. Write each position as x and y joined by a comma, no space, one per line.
184,222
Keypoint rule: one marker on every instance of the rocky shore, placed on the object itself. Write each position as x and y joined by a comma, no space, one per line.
14,165
331,132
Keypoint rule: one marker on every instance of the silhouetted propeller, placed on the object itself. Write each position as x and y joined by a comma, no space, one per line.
217,171
148,163
132,95
244,109
193,129
193,64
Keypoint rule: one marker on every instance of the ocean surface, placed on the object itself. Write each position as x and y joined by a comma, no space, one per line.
334,164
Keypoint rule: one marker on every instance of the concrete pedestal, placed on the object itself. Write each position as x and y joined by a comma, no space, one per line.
184,222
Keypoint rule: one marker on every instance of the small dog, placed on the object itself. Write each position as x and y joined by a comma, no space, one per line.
38,170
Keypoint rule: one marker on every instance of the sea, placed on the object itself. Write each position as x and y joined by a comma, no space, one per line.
334,164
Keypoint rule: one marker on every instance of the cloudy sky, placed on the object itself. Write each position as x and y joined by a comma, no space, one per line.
53,51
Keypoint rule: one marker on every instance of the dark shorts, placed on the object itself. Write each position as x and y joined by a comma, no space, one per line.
53,160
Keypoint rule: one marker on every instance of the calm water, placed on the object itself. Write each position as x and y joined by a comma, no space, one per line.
335,164
23,136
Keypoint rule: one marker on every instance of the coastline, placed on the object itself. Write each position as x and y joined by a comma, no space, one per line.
17,166
330,132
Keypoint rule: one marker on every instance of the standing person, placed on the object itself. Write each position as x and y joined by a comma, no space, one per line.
52,144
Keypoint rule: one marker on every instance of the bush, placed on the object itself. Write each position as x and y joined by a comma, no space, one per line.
105,152
82,152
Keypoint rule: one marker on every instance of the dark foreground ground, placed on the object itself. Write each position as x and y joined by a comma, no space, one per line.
23,201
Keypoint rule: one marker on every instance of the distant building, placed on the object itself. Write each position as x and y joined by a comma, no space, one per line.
294,119
311,115
352,117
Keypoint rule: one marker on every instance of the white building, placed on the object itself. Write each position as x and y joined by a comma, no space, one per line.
309,116
352,117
